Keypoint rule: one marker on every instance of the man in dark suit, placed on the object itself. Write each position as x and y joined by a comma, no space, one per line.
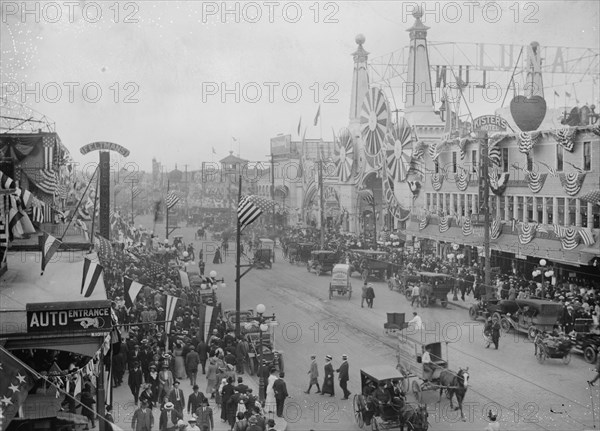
135,380
241,387
195,400
202,350
204,416
177,398
281,393
169,418
344,376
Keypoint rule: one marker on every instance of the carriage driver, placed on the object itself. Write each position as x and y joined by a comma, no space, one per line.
382,394
428,365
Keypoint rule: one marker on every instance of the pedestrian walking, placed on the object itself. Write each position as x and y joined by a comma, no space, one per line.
177,398
487,332
364,295
195,400
415,295
370,295
344,376
134,381
192,425
204,416
496,333
328,387
201,265
169,418
143,419
192,360
281,393
87,400
217,259
313,373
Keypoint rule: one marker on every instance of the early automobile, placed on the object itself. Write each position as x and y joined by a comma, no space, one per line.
585,341
528,315
321,261
370,263
483,308
264,255
340,280
434,286
382,404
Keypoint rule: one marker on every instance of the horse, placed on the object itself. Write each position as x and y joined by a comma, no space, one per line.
414,417
455,384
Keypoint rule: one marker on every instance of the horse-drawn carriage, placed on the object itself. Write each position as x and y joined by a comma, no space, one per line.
528,315
299,252
434,286
321,261
340,281
433,375
371,263
382,403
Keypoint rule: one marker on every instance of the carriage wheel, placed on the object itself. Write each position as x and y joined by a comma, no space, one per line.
589,354
416,388
496,317
358,410
364,275
567,358
531,332
473,313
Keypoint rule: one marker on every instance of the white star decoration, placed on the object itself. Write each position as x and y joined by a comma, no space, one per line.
6,400
20,378
14,388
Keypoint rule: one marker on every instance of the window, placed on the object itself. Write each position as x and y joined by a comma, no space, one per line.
474,160
469,205
447,207
587,156
530,160
560,203
595,216
570,208
559,157
428,201
503,208
504,159
436,167
583,213
549,210
454,170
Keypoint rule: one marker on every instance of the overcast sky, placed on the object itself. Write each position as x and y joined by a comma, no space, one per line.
172,61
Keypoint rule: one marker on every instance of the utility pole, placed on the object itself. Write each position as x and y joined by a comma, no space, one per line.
321,203
167,211
273,191
132,181
484,206
374,220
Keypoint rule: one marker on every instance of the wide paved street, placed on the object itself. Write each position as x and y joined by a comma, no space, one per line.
528,395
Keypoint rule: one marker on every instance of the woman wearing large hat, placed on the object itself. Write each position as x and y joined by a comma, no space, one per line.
328,387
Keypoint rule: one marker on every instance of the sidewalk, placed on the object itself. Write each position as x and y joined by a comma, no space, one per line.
466,304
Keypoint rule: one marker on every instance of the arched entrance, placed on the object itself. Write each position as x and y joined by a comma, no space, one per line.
371,212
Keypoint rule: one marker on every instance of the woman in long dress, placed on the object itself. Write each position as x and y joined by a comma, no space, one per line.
179,361
211,377
165,382
270,403
217,258
328,387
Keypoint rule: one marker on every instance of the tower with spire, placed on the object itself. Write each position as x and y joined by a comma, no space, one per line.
360,84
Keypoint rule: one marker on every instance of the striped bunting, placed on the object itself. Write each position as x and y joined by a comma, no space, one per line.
49,246
436,181
467,228
432,150
3,232
498,182
494,155
570,240
587,236
496,229
527,140
565,137
136,191
528,231
419,150
132,289
559,230
92,277
170,312
444,223
208,319
462,144
596,128
423,222
47,181
535,181
572,182
462,179
6,182
367,196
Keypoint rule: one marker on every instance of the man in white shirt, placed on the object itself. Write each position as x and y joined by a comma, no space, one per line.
416,321
428,365
415,295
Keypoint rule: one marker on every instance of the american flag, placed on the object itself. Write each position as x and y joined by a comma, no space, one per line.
15,383
104,248
251,207
172,200
135,192
367,195
47,181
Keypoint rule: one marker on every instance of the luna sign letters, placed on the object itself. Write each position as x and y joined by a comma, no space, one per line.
73,319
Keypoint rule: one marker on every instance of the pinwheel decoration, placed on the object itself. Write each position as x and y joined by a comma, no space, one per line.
344,152
374,121
399,150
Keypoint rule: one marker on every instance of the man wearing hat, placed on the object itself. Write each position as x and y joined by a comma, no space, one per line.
169,418
370,295
344,376
204,416
135,380
142,420
313,375
177,398
195,400
364,295
192,360
192,425
328,387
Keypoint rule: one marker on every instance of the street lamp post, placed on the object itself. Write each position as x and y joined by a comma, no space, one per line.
262,327
543,265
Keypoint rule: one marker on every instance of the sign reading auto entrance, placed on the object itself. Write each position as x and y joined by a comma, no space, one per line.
69,316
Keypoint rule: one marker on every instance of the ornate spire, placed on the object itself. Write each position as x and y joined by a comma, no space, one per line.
419,94
360,81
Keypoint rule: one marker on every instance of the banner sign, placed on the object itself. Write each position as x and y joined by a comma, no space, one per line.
104,146
84,316
281,145
491,123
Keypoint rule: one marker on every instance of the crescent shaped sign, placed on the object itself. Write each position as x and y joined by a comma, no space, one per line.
104,146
